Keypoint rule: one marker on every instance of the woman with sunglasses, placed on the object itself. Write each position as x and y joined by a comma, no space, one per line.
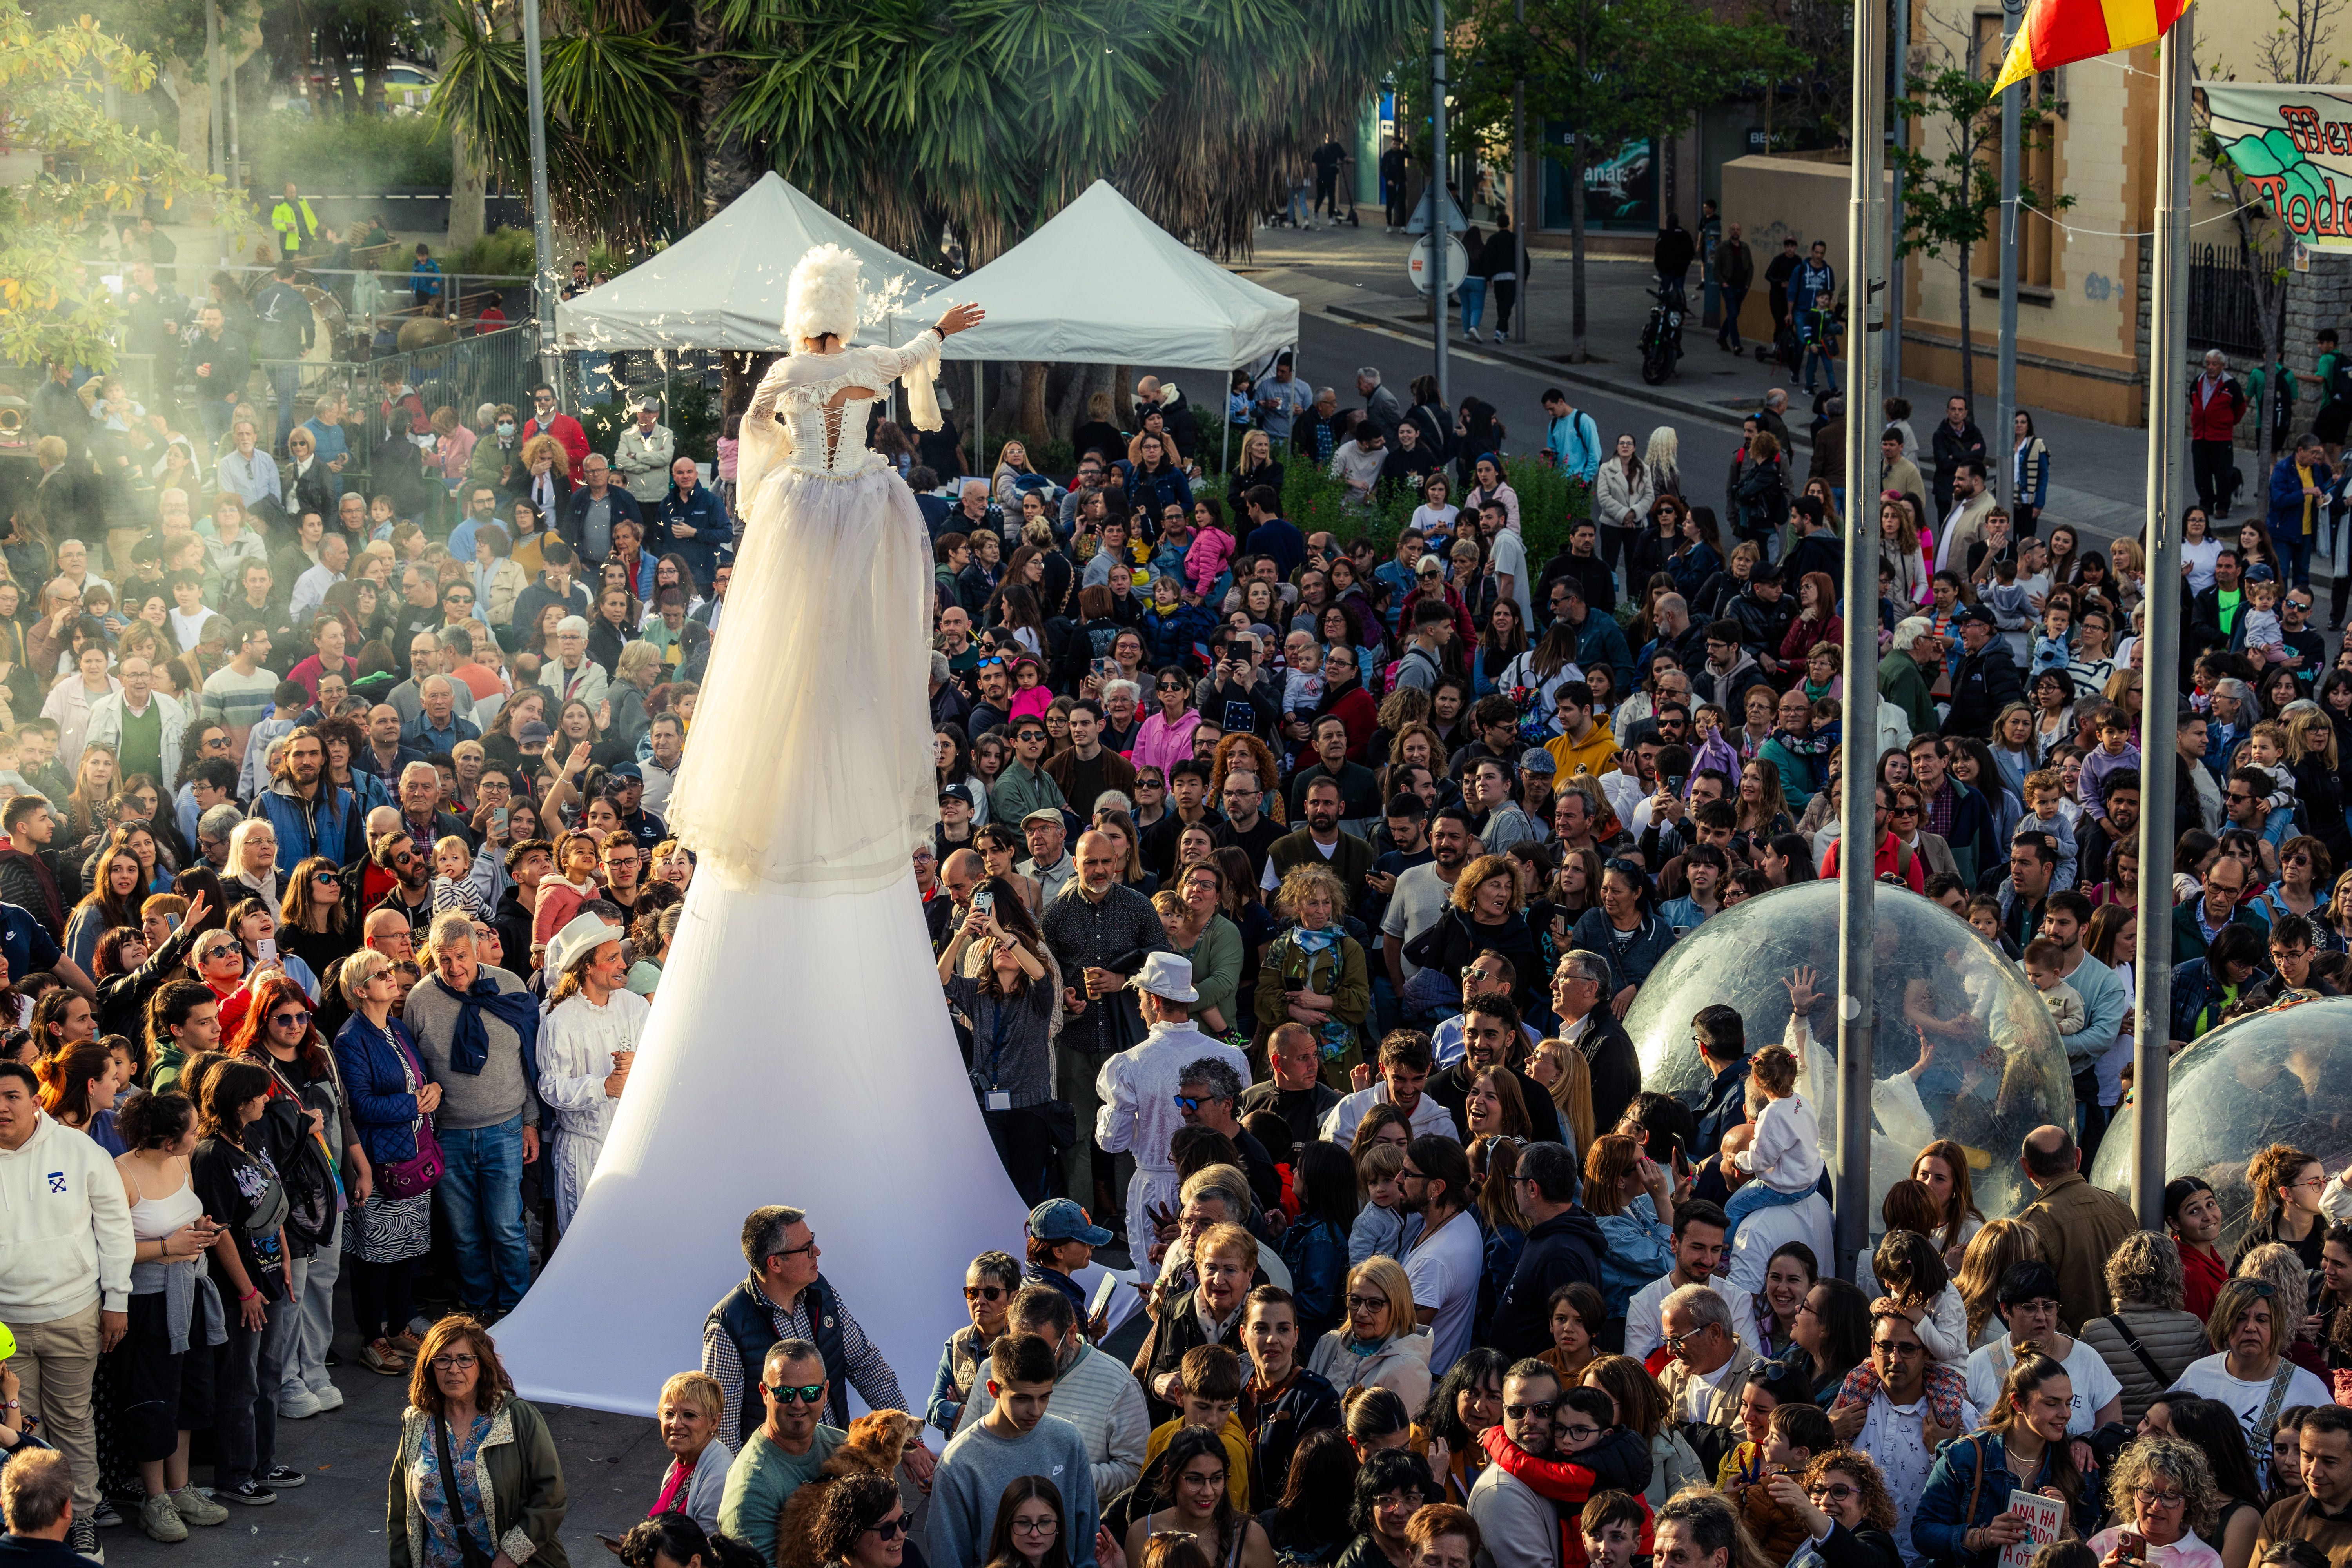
1165,737
308,1130
313,922
988,1287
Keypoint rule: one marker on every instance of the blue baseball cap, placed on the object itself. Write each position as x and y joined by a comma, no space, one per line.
1061,1219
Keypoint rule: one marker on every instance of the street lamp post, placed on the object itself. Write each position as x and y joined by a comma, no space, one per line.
542,224
1438,233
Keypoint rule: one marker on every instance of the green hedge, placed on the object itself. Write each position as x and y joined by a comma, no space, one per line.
348,153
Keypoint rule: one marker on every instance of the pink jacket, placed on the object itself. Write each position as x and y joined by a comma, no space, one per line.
1212,548
1160,744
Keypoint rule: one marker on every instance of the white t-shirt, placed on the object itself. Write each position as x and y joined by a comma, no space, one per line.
1414,906
1511,556
2209,1378
1444,1271
2094,1384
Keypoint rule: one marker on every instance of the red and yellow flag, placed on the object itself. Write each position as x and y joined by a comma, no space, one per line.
2060,32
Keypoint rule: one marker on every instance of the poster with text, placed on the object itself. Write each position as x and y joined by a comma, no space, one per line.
2041,1515
2293,147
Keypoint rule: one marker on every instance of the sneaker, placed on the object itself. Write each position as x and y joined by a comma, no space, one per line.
329,1396
407,1340
105,1516
195,1508
379,1357
299,1405
161,1521
251,1493
284,1476
81,1536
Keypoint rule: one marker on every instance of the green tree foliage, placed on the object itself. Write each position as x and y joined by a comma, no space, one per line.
1951,193
906,116
1613,69
95,171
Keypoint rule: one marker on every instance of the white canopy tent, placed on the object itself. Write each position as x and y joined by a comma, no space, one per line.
722,287
1099,282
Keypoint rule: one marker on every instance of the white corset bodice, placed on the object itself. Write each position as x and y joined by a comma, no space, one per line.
788,426
827,440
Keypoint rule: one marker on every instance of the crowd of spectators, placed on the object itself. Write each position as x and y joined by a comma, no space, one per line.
1289,896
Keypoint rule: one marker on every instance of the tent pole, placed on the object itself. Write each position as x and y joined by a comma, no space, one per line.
979,416
1225,440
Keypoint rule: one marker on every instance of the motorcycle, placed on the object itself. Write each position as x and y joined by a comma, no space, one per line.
1661,336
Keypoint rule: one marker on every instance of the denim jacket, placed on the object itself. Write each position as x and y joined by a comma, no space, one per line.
1937,1525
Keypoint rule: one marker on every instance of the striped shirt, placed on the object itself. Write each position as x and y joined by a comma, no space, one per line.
867,1372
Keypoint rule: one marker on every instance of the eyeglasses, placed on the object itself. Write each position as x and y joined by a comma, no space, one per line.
2154,1498
1895,1347
216,743
453,1363
803,1394
1048,1526
1367,1303
1836,1492
292,1020
983,1292
1542,1410
1194,1102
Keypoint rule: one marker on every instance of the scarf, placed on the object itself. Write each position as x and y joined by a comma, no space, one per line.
470,1046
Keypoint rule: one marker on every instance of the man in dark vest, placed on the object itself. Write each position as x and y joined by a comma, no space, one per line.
784,1297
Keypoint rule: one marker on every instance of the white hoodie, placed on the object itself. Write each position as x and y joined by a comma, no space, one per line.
64,1228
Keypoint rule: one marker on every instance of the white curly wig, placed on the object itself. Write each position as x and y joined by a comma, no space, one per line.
824,296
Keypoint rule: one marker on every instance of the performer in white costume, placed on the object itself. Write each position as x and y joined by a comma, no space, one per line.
812,757
800,1052
1137,1089
586,1049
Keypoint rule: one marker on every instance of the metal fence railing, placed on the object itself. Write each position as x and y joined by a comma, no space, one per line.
2224,311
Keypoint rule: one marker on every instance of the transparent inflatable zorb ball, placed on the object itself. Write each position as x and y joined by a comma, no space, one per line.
2280,1076
1964,1046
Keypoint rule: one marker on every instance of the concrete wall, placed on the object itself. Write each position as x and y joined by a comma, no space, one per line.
1770,196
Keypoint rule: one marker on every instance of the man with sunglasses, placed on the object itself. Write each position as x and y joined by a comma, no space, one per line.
1895,1428
786,1449
1517,1528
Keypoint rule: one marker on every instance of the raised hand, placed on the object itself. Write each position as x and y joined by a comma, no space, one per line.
960,318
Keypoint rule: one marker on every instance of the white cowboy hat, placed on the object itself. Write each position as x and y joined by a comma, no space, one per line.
1168,977
582,933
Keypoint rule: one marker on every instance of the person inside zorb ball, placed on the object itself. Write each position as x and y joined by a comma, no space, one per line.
2281,1077
1963,1049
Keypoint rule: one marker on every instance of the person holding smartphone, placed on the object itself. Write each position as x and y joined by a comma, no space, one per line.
1009,1008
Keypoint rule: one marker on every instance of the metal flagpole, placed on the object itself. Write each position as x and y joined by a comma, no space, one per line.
2005,397
1892,386
2168,498
1522,174
1438,233
542,219
1225,440
1866,252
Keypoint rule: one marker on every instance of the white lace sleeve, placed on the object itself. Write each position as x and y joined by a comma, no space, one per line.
766,442
916,364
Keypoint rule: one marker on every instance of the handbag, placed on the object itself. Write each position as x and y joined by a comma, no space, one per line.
421,1171
472,1555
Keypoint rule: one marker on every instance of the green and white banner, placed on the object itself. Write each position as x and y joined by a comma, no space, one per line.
2293,146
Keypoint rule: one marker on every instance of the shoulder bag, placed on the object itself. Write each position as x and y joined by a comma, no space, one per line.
421,1171
472,1555
2131,1342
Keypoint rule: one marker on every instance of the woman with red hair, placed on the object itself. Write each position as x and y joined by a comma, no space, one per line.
308,1125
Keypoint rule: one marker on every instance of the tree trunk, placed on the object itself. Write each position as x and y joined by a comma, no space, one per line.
1968,344
1033,400
195,99
739,378
469,214
726,158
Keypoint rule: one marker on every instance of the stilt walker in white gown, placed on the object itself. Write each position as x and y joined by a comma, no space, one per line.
799,1052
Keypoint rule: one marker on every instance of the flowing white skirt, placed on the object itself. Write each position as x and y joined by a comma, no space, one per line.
811,763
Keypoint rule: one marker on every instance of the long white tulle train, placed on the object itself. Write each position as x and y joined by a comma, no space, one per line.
798,1053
